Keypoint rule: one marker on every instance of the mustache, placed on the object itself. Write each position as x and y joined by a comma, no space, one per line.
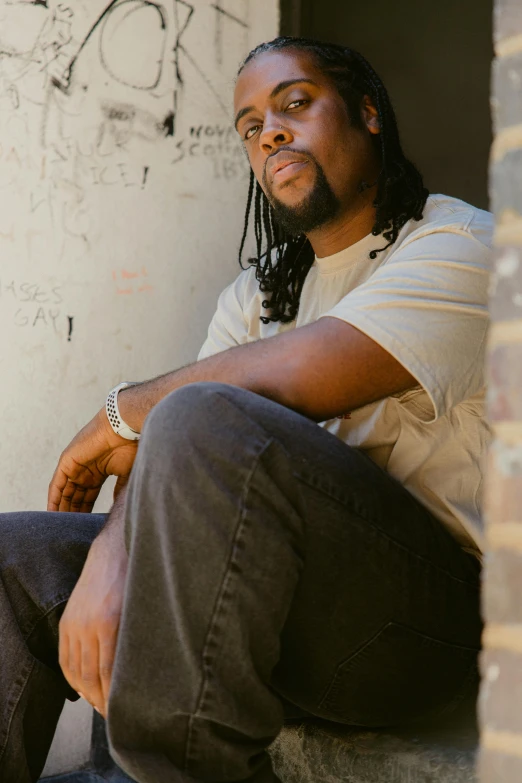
305,153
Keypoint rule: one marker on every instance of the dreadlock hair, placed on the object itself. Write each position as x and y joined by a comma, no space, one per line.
282,261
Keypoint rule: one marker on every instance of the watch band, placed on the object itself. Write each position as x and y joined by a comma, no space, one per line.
113,413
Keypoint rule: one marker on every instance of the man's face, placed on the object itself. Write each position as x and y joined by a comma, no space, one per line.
307,155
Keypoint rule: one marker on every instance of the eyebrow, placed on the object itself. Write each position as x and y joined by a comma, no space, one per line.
277,89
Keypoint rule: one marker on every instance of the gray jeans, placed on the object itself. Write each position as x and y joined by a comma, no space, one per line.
270,565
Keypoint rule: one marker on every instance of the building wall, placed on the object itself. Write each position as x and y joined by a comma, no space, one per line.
122,192
434,58
501,696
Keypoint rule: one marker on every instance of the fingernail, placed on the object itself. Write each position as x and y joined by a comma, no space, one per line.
97,710
81,695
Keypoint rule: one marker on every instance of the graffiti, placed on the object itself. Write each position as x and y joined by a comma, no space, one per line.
42,317
30,292
101,77
129,282
98,97
33,305
224,16
132,43
218,144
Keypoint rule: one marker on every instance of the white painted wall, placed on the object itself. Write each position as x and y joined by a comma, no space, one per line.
116,237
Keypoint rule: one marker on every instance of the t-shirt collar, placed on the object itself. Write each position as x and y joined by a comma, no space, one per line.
350,255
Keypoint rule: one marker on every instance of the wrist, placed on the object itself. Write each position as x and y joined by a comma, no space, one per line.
129,411
118,424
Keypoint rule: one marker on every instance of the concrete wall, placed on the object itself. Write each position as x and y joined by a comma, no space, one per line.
434,57
122,190
122,193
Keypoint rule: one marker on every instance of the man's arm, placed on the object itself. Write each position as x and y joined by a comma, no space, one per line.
321,370
89,625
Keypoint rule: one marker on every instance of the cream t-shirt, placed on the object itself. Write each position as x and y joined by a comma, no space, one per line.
425,301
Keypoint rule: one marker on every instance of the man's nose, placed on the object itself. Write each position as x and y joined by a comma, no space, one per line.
274,135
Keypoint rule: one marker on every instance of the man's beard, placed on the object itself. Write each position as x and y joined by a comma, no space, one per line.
319,207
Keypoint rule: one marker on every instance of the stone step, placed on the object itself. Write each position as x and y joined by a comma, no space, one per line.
311,751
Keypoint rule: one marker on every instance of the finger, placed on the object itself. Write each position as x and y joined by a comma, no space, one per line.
107,654
72,497
67,493
90,675
69,657
76,498
56,487
90,497
63,653
75,662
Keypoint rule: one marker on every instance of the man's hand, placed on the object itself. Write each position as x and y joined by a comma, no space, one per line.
95,453
90,622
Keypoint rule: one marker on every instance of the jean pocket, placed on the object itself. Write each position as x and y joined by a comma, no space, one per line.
400,675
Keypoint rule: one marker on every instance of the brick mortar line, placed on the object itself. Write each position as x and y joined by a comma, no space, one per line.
509,433
509,742
509,232
503,637
504,535
508,46
506,140
505,333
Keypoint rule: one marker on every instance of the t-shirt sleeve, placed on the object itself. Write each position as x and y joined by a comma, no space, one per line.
229,326
427,306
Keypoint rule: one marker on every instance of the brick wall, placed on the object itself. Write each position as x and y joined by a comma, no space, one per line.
501,696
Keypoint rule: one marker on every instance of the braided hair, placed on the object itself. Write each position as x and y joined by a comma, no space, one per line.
283,261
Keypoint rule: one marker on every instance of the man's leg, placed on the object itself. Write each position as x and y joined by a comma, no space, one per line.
268,559
41,558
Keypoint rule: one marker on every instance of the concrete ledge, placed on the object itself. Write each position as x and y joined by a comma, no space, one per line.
313,754
311,751
321,752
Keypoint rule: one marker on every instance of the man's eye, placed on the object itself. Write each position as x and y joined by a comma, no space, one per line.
249,133
296,103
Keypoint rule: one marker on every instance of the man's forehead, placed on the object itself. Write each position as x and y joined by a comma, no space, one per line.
269,69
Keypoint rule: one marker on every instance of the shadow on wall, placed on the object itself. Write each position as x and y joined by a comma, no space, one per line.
435,60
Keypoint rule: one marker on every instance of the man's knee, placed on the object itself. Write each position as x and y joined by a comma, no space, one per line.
192,411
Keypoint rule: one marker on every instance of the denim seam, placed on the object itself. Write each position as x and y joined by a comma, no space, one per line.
13,704
25,677
382,533
222,597
46,612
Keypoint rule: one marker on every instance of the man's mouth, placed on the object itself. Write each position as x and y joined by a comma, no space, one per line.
284,165
288,171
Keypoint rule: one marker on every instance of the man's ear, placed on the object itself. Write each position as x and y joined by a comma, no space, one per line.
370,115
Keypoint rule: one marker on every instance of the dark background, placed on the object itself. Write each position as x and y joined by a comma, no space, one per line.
434,59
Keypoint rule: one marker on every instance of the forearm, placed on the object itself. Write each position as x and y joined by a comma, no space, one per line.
244,366
320,370
111,536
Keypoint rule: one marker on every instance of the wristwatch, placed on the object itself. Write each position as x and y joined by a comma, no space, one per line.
113,413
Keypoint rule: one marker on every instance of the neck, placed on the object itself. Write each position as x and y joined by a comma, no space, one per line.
346,229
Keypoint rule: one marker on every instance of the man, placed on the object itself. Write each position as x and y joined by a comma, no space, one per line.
256,563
